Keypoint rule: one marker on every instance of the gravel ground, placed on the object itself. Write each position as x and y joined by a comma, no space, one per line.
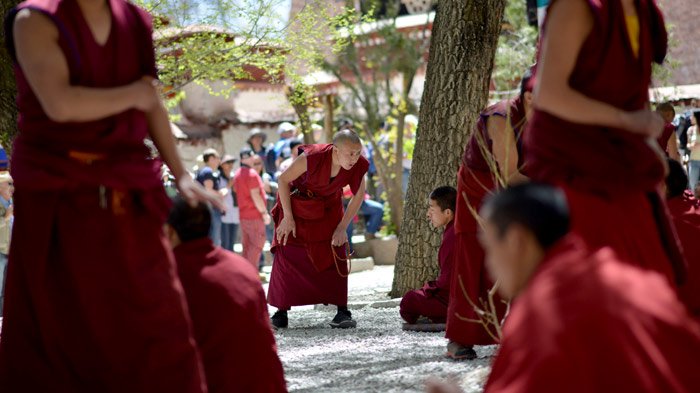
377,356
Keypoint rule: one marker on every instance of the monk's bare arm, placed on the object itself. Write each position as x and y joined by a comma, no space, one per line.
353,206
504,149
561,46
45,67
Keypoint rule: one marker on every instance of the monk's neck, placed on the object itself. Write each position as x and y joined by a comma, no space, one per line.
93,7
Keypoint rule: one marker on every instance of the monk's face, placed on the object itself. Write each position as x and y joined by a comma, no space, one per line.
438,217
506,257
348,154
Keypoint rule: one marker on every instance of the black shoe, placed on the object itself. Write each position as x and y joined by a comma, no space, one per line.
280,320
343,320
458,351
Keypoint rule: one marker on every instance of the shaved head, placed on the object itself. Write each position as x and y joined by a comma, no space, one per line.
346,136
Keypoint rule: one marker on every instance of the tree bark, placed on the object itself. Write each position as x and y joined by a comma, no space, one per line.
464,39
8,108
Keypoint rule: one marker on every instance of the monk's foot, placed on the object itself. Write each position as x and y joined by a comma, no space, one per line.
280,320
457,351
343,320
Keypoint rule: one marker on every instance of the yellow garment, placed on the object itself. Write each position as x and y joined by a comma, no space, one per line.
633,32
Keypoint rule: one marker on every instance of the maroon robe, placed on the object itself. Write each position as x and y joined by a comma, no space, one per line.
92,300
307,270
611,176
229,315
431,301
587,322
685,211
669,130
475,182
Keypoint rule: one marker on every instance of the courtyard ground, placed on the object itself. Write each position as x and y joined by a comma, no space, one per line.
377,356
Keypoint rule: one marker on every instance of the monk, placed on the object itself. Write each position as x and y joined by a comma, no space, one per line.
493,158
581,321
685,212
425,309
592,132
227,306
310,247
668,141
92,302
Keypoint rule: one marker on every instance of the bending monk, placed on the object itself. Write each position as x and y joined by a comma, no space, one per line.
92,300
310,246
581,321
493,158
430,302
592,132
227,306
685,212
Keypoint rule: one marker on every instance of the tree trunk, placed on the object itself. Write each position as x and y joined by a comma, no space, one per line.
8,109
328,118
464,39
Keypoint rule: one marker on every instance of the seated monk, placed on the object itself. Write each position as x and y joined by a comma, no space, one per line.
310,247
685,213
425,309
227,306
580,321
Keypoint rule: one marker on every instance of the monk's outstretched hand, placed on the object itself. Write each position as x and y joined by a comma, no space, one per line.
285,227
340,237
193,192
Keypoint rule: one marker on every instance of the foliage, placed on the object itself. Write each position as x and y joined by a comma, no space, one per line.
516,47
215,40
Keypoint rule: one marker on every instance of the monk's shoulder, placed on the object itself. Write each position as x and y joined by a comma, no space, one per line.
234,281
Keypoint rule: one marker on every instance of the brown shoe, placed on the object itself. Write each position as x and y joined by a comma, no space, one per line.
457,351
370,236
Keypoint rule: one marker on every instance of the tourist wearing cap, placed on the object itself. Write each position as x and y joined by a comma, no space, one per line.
287,132
256,142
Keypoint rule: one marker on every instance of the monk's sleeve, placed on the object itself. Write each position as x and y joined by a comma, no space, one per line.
358,174
533,369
